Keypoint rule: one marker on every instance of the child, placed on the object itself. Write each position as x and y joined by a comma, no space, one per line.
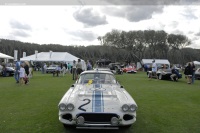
26,80
21,74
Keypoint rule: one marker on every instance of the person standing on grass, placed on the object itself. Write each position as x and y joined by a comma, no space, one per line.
63,69
21,74
74,70
78,68
188,73
57,71
154,69
193,72
26,67
69,68
45,68
17,68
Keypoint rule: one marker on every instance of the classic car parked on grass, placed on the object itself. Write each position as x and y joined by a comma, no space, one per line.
129,69
163,74
9,72
97,101
102,69
197,73
51,68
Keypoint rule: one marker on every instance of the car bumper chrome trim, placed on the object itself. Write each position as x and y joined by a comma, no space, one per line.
96,127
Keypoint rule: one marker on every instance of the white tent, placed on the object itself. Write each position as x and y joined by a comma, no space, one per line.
157,61
52,57
197,64
4,56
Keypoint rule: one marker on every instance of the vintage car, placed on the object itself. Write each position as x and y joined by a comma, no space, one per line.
97,101
130,69
51,68
102,69
116,68
9,71
197,73
163,74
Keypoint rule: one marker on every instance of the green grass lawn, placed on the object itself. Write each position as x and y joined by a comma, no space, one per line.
163,106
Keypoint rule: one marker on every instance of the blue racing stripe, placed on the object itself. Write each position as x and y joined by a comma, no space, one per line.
93,101
97,101
97,85
102,109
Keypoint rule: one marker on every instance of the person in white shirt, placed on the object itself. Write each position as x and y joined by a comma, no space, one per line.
79,69
154,69
21,74
63,69
45,67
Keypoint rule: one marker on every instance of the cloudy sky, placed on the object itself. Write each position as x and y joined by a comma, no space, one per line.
81,23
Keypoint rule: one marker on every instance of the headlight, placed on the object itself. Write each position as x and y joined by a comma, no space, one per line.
125,107
133,107
70,107
80,120
62,107
114,121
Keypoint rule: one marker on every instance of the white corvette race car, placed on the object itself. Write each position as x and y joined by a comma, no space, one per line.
97,101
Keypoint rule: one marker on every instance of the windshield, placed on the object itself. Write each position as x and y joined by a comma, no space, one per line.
96,78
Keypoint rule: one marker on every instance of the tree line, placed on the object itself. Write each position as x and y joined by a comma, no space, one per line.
149,44
118,46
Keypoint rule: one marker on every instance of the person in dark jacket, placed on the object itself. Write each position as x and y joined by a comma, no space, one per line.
174,76
188,73
26,67
193,72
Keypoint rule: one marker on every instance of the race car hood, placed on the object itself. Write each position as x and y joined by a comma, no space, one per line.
99,97
89,91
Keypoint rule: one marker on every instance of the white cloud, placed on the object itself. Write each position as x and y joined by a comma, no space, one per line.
81,25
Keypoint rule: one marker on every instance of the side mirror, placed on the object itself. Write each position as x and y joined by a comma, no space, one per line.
72,85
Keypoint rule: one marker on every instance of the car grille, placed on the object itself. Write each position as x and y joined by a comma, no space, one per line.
97,118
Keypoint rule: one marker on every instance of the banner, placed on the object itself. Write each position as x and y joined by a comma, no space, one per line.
15,55
50,53
24,54
36,52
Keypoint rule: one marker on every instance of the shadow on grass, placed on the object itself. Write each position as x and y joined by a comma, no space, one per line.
72,129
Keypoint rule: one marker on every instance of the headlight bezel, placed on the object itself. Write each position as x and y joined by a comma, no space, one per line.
66,107
129,107
70,106
62,107
125,107
132,107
